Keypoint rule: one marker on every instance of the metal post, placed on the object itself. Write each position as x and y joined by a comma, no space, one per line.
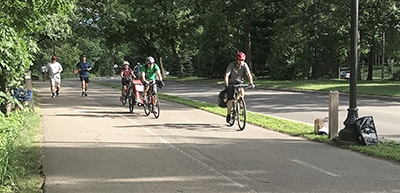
350,133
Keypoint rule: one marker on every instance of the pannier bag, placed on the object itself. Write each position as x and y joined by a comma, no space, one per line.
22,94
366,127
222,98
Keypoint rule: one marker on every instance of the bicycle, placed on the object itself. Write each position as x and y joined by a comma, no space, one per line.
152,104
127,93
239,107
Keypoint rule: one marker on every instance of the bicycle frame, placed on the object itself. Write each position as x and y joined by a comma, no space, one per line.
239,108
152,104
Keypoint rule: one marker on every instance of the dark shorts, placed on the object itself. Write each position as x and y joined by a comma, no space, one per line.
231,93
86,79
125,82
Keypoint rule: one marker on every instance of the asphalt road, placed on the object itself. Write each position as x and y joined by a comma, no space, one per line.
296,105
93,144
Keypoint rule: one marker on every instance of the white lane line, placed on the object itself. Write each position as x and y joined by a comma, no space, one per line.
210,168
313,167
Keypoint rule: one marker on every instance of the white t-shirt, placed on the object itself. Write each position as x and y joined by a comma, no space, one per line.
44,69
53,69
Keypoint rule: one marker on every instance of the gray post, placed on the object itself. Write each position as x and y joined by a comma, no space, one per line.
333,113
28,81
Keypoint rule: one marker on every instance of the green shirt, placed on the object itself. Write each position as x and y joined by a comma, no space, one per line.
151,72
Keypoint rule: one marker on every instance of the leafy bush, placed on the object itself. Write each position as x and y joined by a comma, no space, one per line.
19,154
396,76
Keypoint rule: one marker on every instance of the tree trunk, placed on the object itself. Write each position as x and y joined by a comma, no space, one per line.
111,61
247,37
383,57
370,63
3,89
159,58
177,59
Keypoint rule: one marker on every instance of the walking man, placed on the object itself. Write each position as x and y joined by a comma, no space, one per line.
84,67
44,70
54,68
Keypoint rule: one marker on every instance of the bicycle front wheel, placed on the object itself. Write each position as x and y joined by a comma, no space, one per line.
241,113
131,103
123,100
147,107
233,115
156,106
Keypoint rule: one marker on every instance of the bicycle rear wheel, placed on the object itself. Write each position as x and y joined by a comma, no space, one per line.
241,113
156,106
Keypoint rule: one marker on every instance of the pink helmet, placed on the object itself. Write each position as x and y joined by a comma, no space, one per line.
241,56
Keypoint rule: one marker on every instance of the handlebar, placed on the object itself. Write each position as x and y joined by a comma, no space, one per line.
240,86
156,82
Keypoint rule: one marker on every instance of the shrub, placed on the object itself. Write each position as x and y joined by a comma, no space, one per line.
396,76
19,154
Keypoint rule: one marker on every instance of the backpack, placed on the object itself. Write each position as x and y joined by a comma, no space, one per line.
222,98
22,94
154,68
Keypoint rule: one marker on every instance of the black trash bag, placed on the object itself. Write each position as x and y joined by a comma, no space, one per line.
366,127
222,98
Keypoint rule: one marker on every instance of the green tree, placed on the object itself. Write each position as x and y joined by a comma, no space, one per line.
20,24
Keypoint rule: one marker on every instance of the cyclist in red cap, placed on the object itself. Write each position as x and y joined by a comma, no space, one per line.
234,74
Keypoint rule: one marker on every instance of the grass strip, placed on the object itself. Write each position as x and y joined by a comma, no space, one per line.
385,150
19,152
375,87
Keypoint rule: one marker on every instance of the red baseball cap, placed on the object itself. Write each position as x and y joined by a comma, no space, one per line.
53,57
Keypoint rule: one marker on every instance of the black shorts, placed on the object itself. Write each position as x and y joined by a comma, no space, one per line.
231,92
86,79
125,82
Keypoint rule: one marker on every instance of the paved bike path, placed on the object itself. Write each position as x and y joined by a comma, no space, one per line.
93,144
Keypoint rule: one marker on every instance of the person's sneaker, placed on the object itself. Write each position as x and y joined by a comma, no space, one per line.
57,94
228,118
120,98
52,95
144,98
83,93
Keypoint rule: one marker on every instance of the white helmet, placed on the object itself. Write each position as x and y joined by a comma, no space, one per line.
150,59
126,63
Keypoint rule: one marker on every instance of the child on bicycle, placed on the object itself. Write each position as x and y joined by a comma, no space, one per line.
126,74
148,74
234,74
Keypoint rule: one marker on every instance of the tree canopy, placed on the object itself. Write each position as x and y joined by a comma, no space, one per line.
283,40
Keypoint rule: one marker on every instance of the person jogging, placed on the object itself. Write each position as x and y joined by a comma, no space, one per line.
84,67
54,69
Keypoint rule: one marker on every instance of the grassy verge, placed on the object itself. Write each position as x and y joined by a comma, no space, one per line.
376,87
20,153
386,150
